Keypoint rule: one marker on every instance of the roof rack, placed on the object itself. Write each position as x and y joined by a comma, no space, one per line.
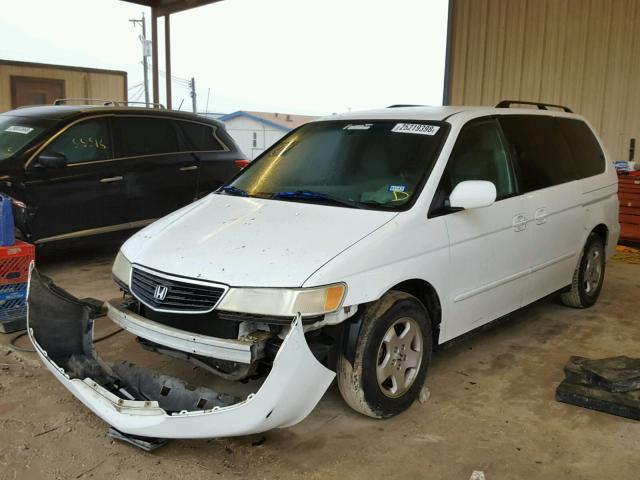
106,103
402,105
540,105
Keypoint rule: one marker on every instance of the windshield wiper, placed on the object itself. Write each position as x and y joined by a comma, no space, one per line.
310,195
230,189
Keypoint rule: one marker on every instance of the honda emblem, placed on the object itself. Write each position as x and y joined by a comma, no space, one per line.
161,293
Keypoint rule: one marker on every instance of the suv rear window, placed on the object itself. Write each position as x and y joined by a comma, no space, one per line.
543,156
145,136
200,137
587,154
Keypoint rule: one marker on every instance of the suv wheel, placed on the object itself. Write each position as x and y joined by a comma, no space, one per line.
393,351
589,275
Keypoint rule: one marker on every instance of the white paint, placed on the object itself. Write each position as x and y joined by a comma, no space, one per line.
482,262
294,386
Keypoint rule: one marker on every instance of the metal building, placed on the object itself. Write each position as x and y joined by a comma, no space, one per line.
581,53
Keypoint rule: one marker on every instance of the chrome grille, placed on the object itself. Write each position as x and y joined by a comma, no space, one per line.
179,296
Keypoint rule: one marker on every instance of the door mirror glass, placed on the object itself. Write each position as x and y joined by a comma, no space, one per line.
52,160
473,194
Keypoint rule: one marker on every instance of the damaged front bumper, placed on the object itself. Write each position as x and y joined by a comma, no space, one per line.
138,402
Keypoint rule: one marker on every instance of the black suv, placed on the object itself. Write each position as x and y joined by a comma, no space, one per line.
76,171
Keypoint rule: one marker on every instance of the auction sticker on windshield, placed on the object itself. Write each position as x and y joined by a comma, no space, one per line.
416,128
18,129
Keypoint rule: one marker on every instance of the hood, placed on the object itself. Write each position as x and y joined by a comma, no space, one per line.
243,241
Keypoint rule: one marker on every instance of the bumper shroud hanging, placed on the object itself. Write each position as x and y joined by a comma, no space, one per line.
132,399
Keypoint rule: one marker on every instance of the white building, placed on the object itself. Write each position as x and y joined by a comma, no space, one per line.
256,131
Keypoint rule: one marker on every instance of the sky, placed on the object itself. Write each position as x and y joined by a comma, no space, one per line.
313,57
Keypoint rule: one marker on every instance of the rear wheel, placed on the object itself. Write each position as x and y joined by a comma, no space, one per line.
393,351
588,276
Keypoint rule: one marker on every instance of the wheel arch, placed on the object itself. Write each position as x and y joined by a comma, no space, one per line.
428,296
602,231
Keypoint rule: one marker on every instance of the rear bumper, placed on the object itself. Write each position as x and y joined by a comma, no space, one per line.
60,328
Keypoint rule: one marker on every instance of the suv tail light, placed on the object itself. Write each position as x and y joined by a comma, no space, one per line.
241,163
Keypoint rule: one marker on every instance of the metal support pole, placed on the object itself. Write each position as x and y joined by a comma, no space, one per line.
145,54
154,56
145,62
167,57
193,94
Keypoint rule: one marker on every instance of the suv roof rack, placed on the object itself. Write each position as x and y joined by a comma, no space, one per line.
401,105
540,105
106,103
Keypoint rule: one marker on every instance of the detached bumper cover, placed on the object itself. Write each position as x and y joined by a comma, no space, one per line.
61,329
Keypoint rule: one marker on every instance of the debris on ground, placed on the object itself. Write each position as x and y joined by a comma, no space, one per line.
610,385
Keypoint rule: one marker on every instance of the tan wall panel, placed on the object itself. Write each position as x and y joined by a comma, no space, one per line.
581,53
78,84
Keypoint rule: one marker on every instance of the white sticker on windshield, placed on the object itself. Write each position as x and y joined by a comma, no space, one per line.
358,126
417,128
18,129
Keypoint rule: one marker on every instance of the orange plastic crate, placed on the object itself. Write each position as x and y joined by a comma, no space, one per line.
15,261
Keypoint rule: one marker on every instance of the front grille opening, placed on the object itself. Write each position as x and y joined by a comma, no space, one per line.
164,294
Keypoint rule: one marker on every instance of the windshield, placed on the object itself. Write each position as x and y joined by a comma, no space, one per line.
377,164
17,132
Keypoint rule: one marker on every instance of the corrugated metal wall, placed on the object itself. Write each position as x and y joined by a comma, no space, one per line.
79,83
581,53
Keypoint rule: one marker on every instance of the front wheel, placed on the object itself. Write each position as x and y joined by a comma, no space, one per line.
588,276
392,353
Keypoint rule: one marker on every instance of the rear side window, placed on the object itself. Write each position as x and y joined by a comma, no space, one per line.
587,154
543,156
145,136
200,137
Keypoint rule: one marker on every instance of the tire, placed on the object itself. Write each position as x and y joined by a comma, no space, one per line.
395,341
589,275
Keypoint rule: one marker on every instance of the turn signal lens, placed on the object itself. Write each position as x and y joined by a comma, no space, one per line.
333,297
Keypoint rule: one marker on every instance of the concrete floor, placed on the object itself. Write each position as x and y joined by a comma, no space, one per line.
492,408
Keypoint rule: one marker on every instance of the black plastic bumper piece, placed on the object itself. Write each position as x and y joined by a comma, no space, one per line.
610,385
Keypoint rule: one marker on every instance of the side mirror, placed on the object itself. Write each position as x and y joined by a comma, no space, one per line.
473,194
52,160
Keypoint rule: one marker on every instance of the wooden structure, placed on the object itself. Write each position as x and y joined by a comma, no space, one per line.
26,83
629,194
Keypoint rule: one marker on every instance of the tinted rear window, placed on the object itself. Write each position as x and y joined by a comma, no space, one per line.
587,154
542,154
145,136
200,137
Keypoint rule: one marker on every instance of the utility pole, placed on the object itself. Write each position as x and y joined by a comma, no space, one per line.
145,54
192,86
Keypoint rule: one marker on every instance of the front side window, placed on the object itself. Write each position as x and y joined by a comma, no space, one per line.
140,136
87,141
480,153
542,154
376,164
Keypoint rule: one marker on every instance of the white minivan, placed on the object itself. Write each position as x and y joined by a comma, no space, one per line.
349,249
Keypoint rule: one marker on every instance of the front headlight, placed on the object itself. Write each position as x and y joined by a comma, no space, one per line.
122,269
284,302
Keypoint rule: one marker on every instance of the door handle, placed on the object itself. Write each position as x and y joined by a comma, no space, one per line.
111,179
189,168
541,216
519,222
